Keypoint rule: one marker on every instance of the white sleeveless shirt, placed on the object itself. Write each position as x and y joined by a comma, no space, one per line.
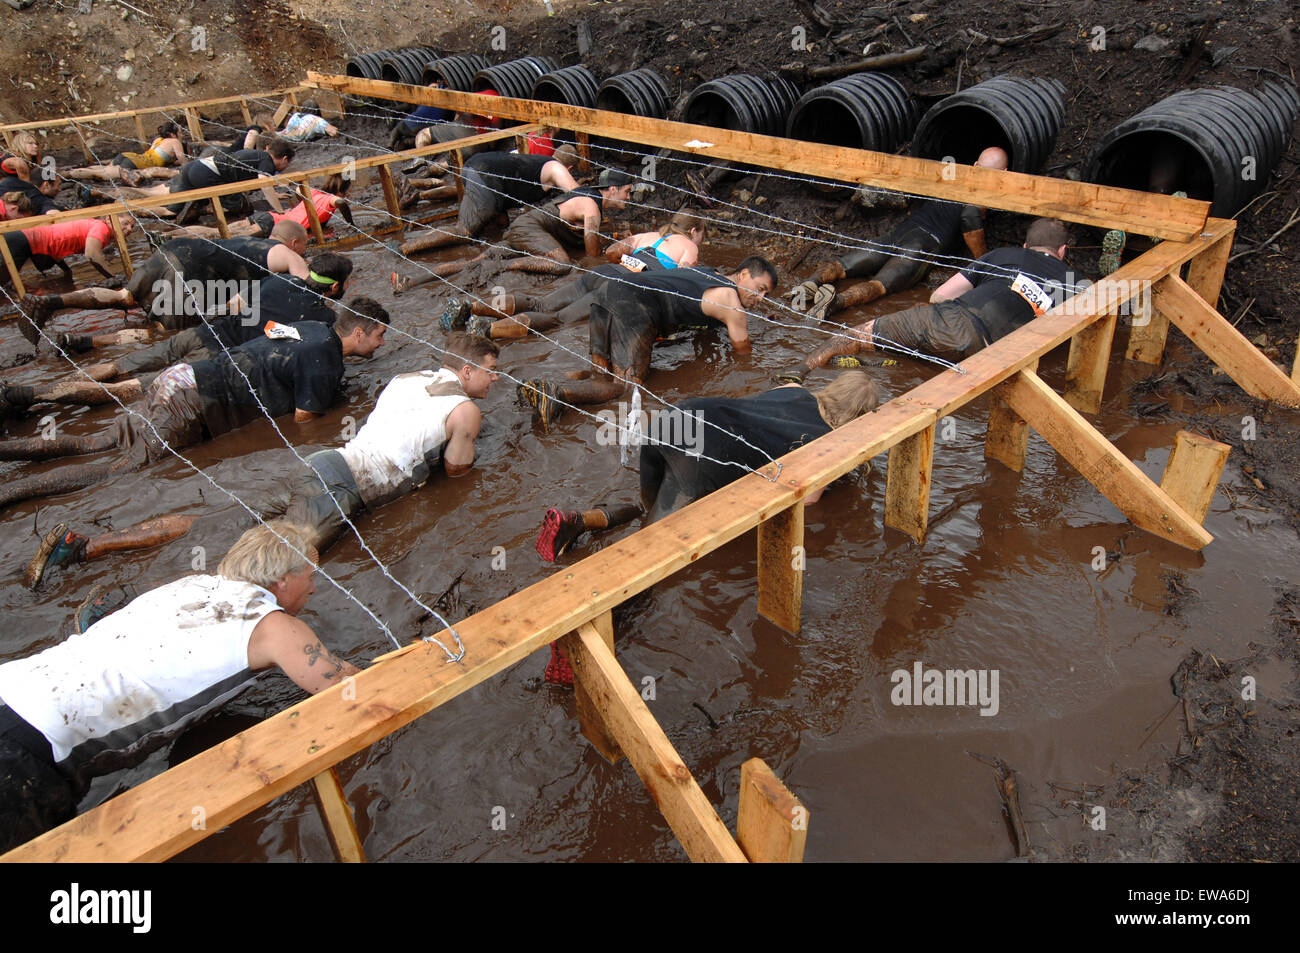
160,662
401,441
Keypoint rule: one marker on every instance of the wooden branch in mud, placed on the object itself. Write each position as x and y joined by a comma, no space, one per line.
1009,791
1031,36
883,61
1147,214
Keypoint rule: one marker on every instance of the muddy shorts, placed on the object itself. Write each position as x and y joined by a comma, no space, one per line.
34,795
896,271
19,248
124,161
450,131
541,231
197,176
622,330
264,222
158,276
479,205
669,480
316,498
172,409
184,347
943,328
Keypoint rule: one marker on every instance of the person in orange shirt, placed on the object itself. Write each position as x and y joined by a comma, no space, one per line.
330,199
47,245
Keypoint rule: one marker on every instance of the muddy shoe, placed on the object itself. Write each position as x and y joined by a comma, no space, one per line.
821,302
34,311
1112,249
801,294
131,178
479,325
559,529
75,342
85,196
400,283
540,395
558,669
56,548
793,374
18,396
454,315
99,603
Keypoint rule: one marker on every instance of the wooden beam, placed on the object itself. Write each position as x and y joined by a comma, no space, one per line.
1141,212
771,824
1295,364
583,142
1224,344
1008,435
12,267
280,112
222,227
1148,332
1085,371
313,218
688,812
591,720
390,195
907,484
337,815
123,250
457,159
1205,272
192,121
1193,472
781,561
92,118
85,146
243,111
139,130
1112,473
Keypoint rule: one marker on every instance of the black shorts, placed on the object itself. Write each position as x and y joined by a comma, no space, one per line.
194,176
34,795
147,281
316,498
122,162
623,330
541,231
896,270
669,480
183,347
479,205
264,223
19,247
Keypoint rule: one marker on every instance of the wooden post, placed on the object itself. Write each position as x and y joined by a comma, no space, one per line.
1193,471
1146,339
781,561
1008,434
584,152
122,250
280,112
390,195
590,721
1205,272
293,98
85,147
313,219
1085,371
907,484
243,111
220,213
1112,473
195,127
12,266
521,144
458,163
771,824
337,815
683,805
139,130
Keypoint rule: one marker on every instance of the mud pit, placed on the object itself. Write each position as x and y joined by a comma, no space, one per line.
1004,581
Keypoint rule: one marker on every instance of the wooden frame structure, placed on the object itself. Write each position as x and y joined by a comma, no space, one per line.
152,821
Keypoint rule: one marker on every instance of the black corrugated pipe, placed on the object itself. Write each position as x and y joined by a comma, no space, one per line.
365,65
573,85
515,78
1217,143
406,65
455,72
1020,114
863,111
743,102
642,92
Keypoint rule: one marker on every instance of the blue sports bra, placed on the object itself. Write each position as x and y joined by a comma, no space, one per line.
661,256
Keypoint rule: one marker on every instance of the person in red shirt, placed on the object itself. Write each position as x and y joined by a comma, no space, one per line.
330,199
45,245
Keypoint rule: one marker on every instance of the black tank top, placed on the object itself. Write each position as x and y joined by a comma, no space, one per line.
679,294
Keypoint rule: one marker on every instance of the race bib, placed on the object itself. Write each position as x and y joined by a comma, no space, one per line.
1034,295
281,332
632,263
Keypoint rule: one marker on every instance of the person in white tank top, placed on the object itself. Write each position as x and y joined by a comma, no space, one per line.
421,420
105,698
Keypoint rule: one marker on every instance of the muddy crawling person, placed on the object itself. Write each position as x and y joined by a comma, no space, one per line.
161,286
1002,291
132,168
628,316
48,245
125,685
899,259
422,421
295,369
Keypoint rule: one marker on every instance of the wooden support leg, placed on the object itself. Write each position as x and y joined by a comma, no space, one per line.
1205,272
195,127
584,153
139,129
85,146
1008,434
780,568
684,806
771,824
390,195
458,173
589,717
337,815
1193,471
1085,372
220,213
243,111
1112,473
907,484
1146,340
123,250
293,98
12,266
313,219
1224,344
280,112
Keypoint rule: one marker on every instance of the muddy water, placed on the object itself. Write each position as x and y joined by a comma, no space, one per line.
1003,582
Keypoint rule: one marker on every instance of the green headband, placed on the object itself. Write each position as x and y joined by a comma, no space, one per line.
321,279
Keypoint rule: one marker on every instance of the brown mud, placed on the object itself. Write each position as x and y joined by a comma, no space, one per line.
1119,688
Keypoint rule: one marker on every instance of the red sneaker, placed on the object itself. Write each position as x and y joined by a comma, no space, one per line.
559,530
558,669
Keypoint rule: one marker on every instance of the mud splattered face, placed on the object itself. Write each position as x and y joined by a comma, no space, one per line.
751,289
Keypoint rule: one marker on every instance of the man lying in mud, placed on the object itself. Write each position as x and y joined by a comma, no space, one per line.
275,300
213,263
296,368
629,315
898,260
105,698
1002,291
494,183
705,443
422,421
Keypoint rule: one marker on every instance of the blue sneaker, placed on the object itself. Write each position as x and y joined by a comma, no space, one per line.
56,548
454,315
